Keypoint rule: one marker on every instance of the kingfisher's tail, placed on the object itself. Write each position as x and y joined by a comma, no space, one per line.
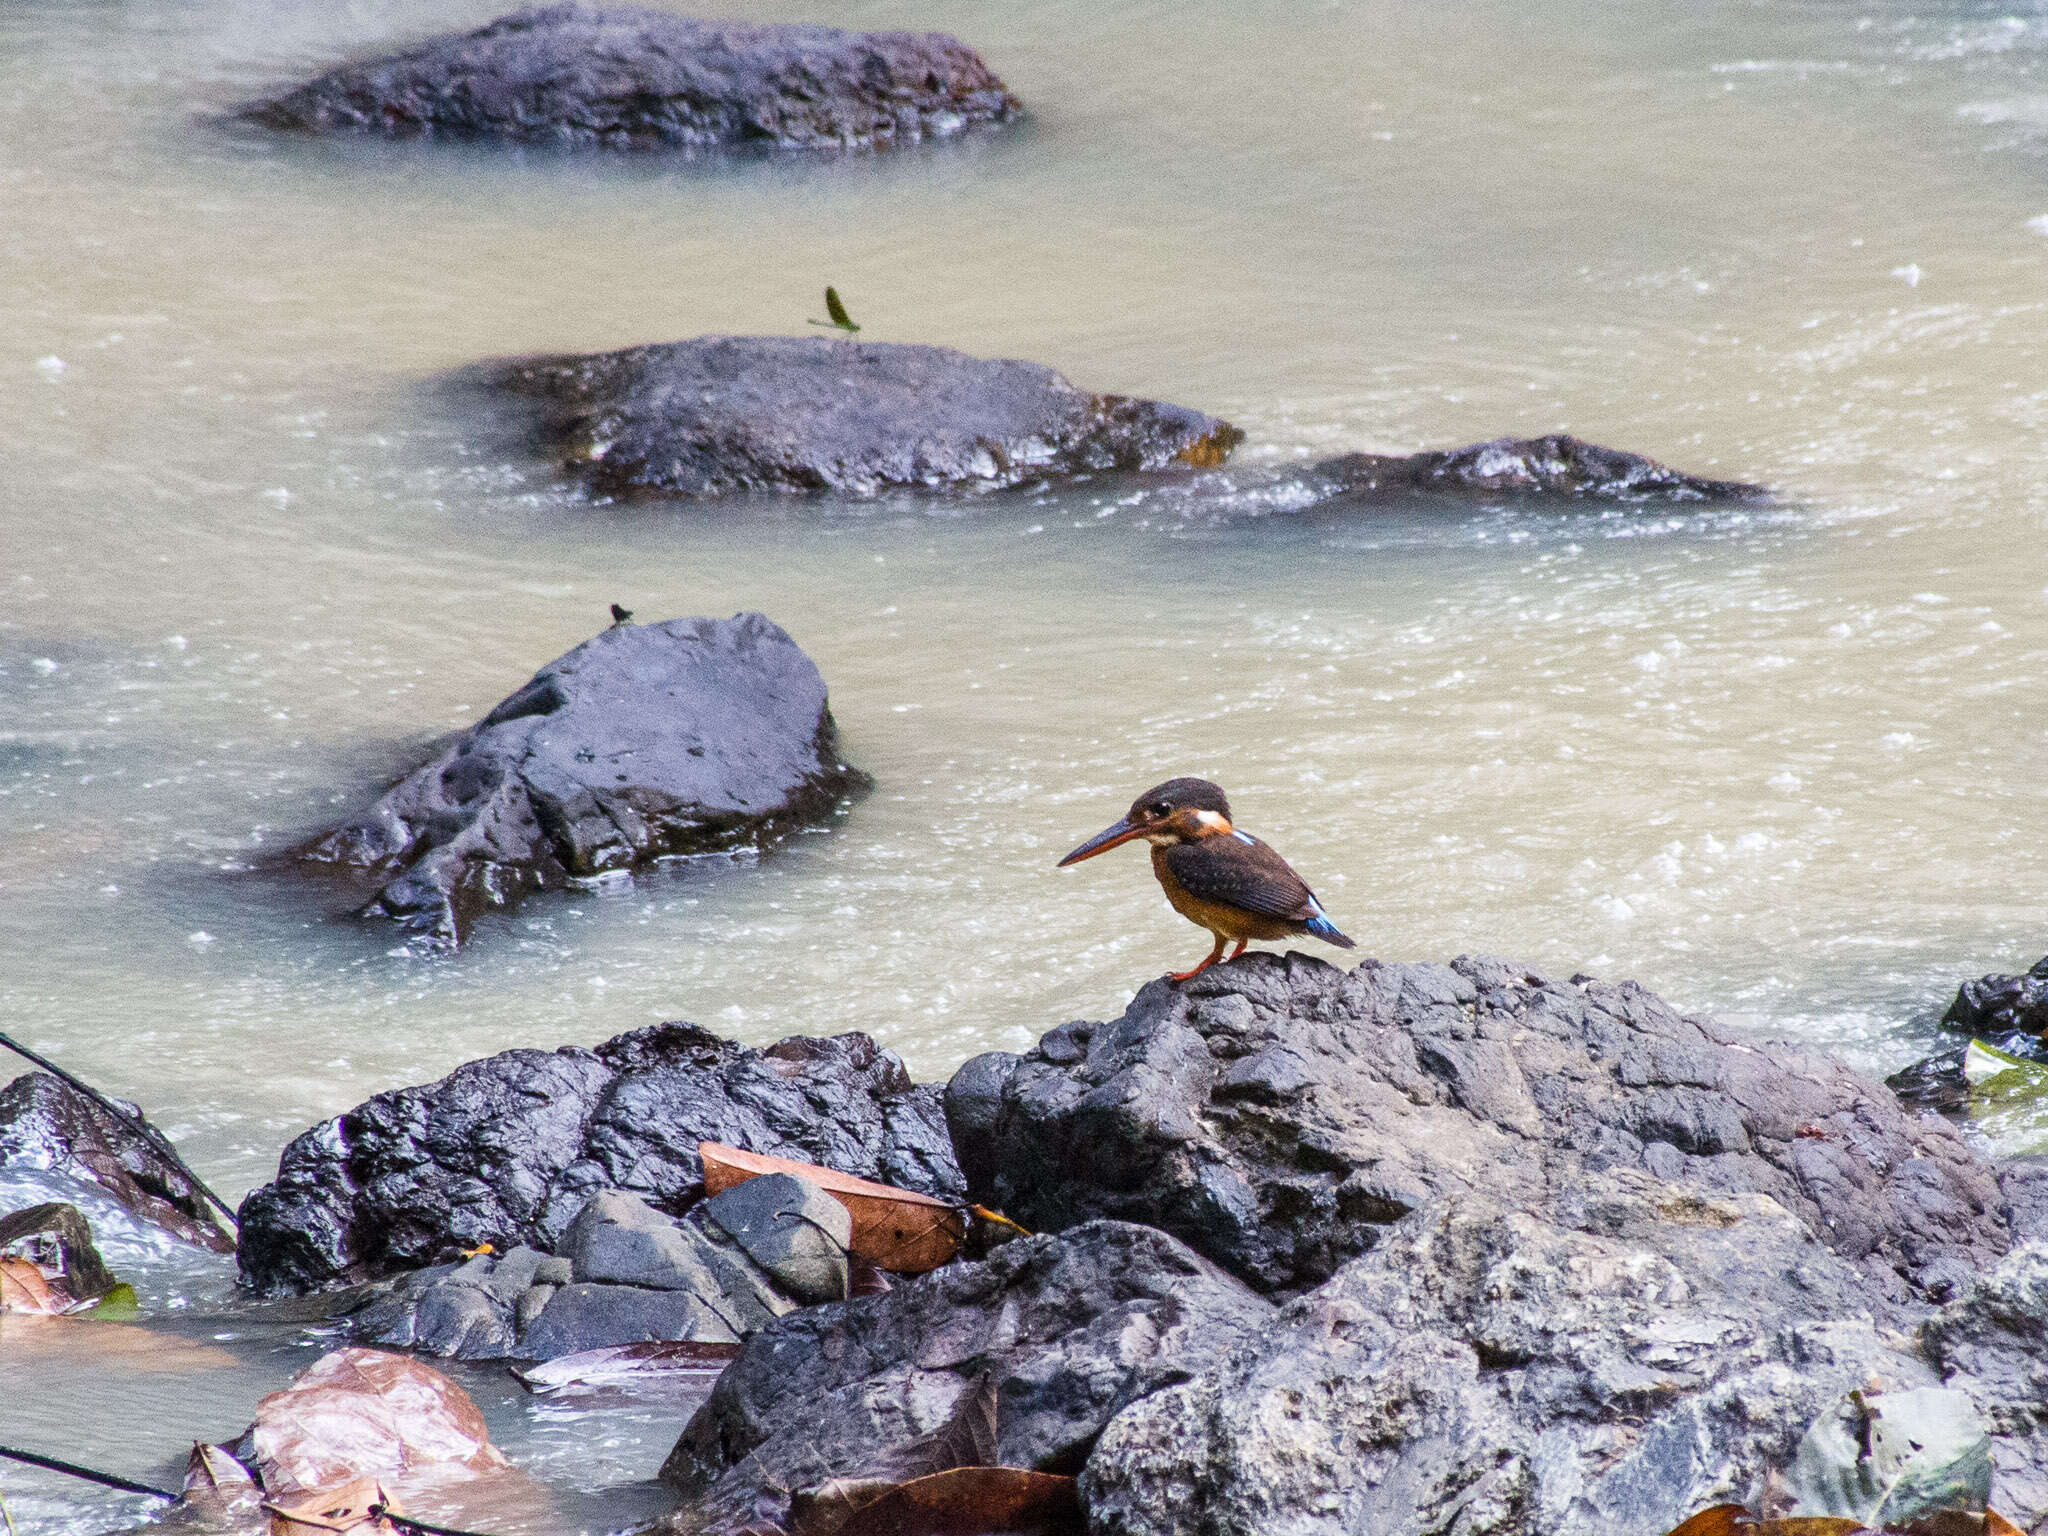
1328,932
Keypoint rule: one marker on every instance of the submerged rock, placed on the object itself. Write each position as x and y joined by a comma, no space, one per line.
507,1150
1068,1330
47,1124
1558,465
1280,1116
646,80
647,740
725,414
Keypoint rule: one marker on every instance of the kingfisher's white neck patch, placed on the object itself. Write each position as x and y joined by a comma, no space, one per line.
1211,821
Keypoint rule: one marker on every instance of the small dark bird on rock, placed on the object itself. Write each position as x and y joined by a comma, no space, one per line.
1215,876
621,615
840,320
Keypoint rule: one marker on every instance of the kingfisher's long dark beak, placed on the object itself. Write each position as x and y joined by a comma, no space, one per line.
1108,838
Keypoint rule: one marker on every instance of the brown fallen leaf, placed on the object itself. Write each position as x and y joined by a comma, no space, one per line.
974,1501
23,1288
661,1365
966,1439
894,1229
1735,1520
346,1508
360,1413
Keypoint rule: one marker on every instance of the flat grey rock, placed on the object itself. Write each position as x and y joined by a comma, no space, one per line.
719,415
618,1239
792,1229
579,1317
631,79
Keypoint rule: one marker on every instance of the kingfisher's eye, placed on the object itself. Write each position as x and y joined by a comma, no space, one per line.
1158,808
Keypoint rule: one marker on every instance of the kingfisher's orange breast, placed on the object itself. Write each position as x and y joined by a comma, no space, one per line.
1231,922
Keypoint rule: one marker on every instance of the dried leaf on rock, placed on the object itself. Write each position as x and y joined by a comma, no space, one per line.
974,1501
219,1490
23,1289
966,1439
1735,1520
894,1229
662,1365
365,1413
346,1508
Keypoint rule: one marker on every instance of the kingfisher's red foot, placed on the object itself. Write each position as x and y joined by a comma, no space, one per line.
1214,955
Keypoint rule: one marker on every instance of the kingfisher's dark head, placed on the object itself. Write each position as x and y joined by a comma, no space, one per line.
1178,811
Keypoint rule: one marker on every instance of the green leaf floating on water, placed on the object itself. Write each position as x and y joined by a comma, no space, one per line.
117,1306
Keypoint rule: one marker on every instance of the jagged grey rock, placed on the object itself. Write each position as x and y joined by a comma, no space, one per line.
719,415
646,740
1070,1328
626,78
1486,1369
579,1317
508,1149
1992,1341
1280,1116
1558,465
48,1125
792,1229
619,1239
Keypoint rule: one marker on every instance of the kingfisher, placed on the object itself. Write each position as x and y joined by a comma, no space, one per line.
1214,875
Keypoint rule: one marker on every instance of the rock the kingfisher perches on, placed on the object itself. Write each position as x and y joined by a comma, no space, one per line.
1215,876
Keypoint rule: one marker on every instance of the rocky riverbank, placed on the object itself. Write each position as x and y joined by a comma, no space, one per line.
1408,1248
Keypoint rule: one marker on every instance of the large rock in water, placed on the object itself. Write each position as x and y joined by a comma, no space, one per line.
1557,466
1280,1115
507,1150
641,80
650,739
725,414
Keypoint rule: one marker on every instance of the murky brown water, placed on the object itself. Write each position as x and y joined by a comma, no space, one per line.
1784,766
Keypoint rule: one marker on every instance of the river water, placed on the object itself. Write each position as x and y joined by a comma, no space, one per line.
1783,765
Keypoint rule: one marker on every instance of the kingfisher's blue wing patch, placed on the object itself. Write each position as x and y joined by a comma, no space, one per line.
1244,837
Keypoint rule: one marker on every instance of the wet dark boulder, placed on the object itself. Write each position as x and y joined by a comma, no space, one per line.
688,736
630,79
507,1150
1280,1116
1994,1006
1065,1331
1558,466
47,1125
719,415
